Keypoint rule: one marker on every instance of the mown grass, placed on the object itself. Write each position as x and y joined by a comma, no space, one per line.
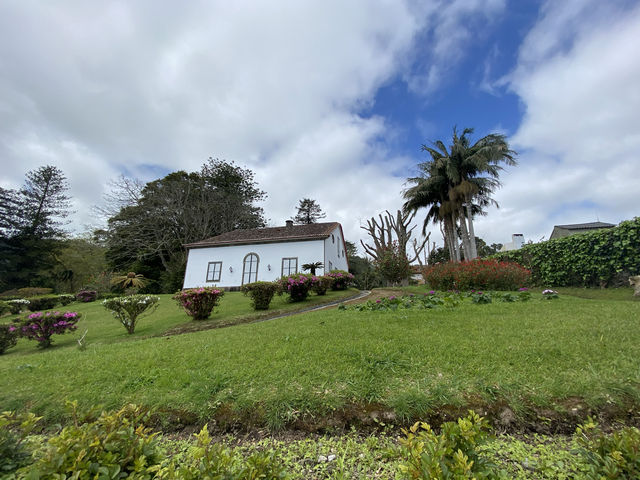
318,365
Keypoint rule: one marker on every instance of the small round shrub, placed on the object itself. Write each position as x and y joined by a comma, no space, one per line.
42,303
129,309
321,284
8,337
199,302
4,307
17,305
296,285
341,279
42,326
66,299
85,295
261,293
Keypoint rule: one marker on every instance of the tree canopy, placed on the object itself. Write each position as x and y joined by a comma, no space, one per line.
308,212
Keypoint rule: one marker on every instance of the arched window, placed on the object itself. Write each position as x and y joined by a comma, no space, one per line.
250,268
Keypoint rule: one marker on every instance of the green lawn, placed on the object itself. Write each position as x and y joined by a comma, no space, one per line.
556,355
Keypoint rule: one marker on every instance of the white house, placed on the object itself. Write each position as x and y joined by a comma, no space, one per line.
244,256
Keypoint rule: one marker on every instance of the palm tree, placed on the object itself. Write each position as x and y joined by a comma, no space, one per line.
457,183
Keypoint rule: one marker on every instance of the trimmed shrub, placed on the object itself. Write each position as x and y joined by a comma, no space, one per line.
261,293
4,307
341,279
199,302
609,456
14,451
85,295
17,305
66,299
129,309
601,258
478,274
33,291
42,303
42,326
116,445
296,285
321,284
8,337
452,454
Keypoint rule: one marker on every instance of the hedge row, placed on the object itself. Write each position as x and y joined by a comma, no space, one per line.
601,258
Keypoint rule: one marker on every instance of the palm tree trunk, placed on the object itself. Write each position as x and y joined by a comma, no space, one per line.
466,245
472,235
454,237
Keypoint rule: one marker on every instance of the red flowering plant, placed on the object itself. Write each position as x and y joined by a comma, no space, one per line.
41,326
478,274
199,302
341,279
296,285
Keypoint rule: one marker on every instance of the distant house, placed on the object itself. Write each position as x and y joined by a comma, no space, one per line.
244,256
517,241
560,231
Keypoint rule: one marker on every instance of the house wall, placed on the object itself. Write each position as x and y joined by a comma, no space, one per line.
233,256
335,255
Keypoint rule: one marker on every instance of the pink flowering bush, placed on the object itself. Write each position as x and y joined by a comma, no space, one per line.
341,279
321,284
41,326
8,337
296,285
86,295
199,302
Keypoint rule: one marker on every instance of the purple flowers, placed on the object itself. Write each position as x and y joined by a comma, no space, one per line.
199,302
41,327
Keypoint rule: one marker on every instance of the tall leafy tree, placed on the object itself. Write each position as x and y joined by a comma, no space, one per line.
148,236
308,212
456,184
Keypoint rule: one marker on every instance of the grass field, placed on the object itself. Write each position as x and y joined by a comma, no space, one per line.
314,370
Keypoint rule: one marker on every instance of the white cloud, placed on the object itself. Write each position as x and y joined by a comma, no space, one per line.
579,138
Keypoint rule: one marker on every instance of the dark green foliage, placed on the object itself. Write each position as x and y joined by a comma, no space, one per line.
308,212
4,307
66,299
392,264
17,305
8,337
453,454
115,445
483,298
261,293
614,456
27,292
14,452
148,233
600,258
37,304
321,284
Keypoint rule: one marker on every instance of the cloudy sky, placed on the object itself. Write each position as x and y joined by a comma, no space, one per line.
329,99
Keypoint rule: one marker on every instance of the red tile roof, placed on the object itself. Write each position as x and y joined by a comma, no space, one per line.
313,231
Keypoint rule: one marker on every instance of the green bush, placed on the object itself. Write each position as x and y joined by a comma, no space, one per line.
453,454
609,456
129,309
207,460
17,305
392,264
4,307
261,293
116,445
321,284
199,302
33,291
14,450
66,299
37,304
478,274
600,258
8,337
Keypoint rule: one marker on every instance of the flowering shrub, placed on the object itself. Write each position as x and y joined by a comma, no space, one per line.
296,285
321,284
392,264
17,305
42,303
66,299
128,309
8,337
261,293
482,274
41,326
549,294
85,295
341,279
199,302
